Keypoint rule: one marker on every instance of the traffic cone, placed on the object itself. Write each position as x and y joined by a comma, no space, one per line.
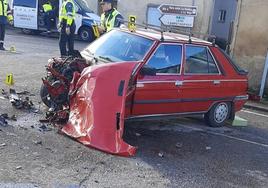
9,79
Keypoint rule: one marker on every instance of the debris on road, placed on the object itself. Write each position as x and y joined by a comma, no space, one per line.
19,103
3,144
208,148
178,145
138,134
5,94
39,142
18,167
3,118
161,154
44,128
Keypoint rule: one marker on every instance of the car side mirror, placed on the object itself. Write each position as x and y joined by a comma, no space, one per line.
147,71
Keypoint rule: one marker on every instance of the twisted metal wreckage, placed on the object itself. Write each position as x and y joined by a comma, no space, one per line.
90,102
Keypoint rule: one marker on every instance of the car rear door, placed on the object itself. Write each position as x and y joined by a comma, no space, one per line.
158,94
203,80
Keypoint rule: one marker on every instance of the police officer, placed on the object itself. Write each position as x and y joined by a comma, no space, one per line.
5,15
110,17
48,10
67,28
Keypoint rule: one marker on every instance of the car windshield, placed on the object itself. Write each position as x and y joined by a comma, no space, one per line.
83,4
118,46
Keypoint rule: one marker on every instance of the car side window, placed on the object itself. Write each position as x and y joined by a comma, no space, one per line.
199,61
166,59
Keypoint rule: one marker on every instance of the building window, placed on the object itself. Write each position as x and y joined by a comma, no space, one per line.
222,16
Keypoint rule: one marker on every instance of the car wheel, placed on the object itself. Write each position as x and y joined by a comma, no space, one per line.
218,114
44,95
86,34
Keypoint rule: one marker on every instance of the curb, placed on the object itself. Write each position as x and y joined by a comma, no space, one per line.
254,107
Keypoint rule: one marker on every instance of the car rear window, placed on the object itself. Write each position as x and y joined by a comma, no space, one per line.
237,68
199,61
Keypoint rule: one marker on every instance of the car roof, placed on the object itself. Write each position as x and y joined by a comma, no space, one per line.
168,36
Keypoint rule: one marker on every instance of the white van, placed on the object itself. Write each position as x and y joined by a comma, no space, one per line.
29,16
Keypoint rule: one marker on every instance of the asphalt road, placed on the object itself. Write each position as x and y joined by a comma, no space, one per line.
181,152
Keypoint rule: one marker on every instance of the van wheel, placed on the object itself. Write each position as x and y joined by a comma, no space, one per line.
27,31
86,34
218,114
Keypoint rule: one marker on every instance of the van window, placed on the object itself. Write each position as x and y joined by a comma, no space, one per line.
25,3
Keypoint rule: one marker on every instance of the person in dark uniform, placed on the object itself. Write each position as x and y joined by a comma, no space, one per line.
5,15
110,17
49,14
67,28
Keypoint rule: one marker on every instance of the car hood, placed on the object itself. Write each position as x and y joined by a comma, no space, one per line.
97,107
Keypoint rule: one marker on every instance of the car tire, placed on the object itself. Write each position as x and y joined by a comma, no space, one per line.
44,95
218,114
86,34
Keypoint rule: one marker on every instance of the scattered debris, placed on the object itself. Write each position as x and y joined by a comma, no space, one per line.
18,103
3,118
138,134
2,98
161,154
13,117
4,93
18,167
178,145
24,93
22,127
38,142
208,148
3,144
44,128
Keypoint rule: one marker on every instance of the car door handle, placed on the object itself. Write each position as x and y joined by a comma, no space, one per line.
178,83
216,82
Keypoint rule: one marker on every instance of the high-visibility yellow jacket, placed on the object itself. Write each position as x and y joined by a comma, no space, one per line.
47,7
67,12
4,10
108,22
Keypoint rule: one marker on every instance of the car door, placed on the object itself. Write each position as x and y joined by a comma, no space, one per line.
203,79
159,94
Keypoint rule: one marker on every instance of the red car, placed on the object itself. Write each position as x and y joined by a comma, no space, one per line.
145,74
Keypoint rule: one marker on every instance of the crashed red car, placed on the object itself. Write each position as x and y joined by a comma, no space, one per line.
127,75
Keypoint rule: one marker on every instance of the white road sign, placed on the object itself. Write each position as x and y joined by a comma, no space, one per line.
178,10
176,20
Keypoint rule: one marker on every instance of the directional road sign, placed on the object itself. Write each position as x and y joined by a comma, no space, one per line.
176,20
178,10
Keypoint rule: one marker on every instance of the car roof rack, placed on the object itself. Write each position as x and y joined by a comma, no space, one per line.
171,29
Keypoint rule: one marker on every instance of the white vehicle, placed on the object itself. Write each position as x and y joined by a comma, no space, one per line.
29,16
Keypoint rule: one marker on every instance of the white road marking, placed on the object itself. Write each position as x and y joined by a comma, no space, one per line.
258,114
239,139
224,135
